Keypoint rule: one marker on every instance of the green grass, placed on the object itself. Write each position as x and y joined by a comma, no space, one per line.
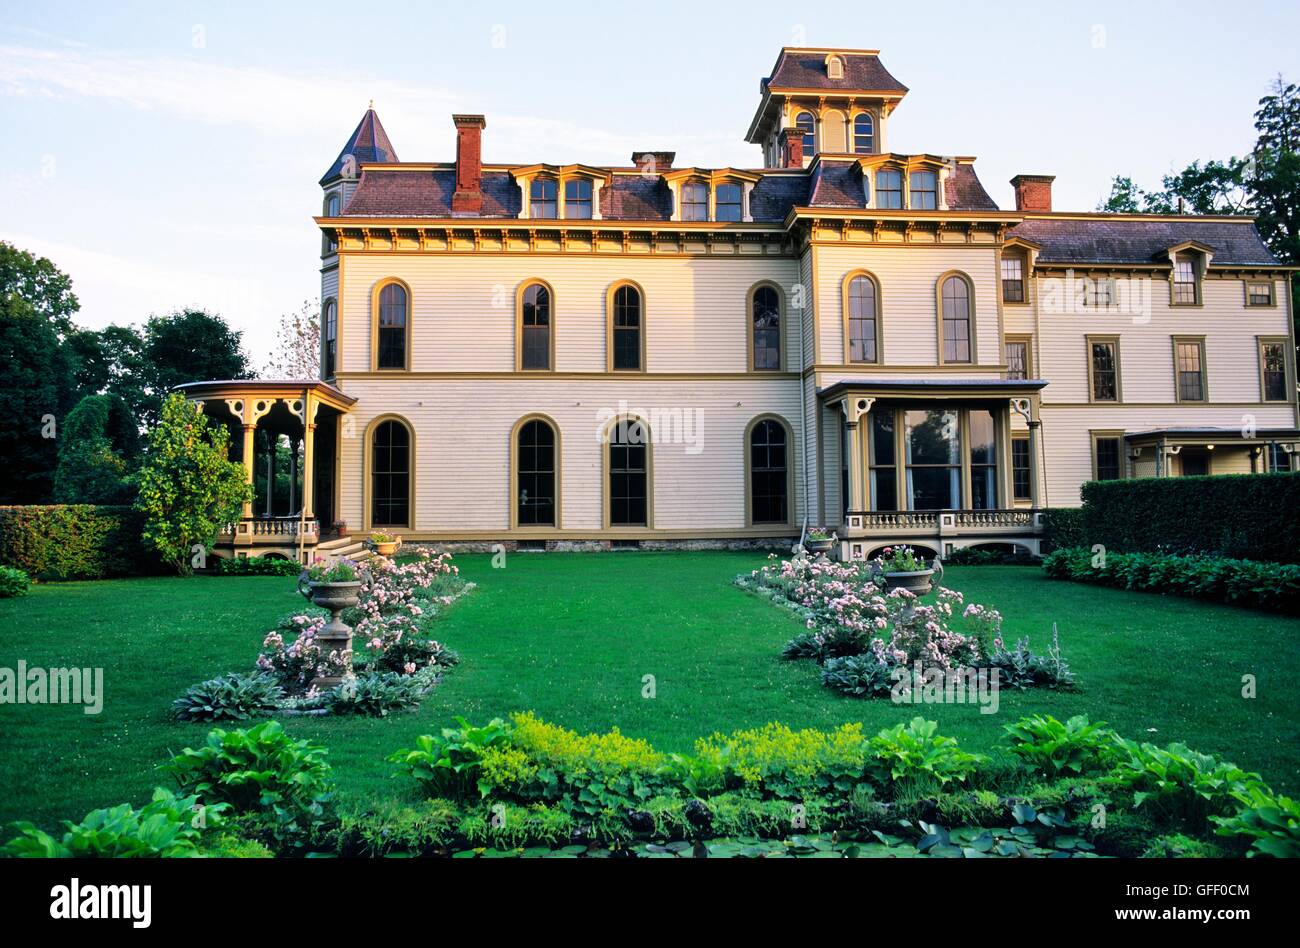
571,637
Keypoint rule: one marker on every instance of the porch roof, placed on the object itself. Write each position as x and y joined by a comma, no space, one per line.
1212,435
324,392
935,388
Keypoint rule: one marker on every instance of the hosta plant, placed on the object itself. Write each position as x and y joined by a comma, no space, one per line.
917,754
1076,746
229,698
1269,820
450,764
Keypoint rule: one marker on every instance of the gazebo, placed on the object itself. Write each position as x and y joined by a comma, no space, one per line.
286,434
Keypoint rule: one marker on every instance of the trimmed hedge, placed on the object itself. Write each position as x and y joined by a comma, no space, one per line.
1241,582
1062,528
1250,516
258,566
73,541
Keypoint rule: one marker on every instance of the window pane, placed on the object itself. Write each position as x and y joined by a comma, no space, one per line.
1017,360
924,191
956,320
768,473
1105,382
542,197
1013,280
933,444
862,320
695,202
1260,294
391,344
1274,360
1184,282
1020,468
536,470
390,475
889,190
984,460
577,199
1108,456
535,317
728,202
805,121
864,137
628,504
627,328
767,328
1191,381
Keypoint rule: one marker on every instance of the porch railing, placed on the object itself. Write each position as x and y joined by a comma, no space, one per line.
912,521
271,529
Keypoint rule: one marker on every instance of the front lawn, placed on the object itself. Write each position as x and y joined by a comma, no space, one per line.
572,637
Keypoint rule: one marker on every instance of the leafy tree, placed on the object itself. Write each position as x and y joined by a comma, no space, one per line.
1213,188
91,470
297,345
33,286
188,345
1125,197
189,489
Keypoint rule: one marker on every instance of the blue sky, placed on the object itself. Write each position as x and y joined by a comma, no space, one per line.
167,154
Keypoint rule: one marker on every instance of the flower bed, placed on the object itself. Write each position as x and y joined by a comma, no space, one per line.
525,787
872,643
396,660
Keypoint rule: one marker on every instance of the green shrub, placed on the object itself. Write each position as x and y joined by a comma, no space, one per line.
971,556
232,697
167,826
1238,516
258,566
1270,820
1046,744
426,828
1241,582
230,846
378,694
1179,784
73,541
1178,846
1062,527
1020,667
260,770
13,582
917,755
862,676
452,764
777,761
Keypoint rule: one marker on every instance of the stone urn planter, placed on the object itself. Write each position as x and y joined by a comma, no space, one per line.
336,636
821,547
919,582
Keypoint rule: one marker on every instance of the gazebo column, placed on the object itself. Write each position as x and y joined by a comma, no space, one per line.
1035,497
309,471
250,434
270,471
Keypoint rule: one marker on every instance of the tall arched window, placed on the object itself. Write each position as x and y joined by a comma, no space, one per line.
629,474
390,475
625,329
390,349
535,475
769,473
330,335
765,314
333,204
535,328
864,134
805,121
863,313
956,303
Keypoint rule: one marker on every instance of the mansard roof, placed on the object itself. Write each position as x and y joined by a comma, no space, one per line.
1138,241
423,190
806,69
368,142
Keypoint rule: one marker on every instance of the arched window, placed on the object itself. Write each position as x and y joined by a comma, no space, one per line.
535,328
535,475
864,134
769,473
863,327
542,197
834,68
333,205
629,478
625,329
695,201
955,302
390,348
390,475
330,334
806,121
765,314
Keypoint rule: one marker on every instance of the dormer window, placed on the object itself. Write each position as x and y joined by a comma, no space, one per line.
805,121
889,189
542,197
727,203
695,201
834,67
1185,291
577,199
925,191
864,134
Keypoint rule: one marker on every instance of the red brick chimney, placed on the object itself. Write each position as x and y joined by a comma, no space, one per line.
794,147
468,197
654,162
1033,192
